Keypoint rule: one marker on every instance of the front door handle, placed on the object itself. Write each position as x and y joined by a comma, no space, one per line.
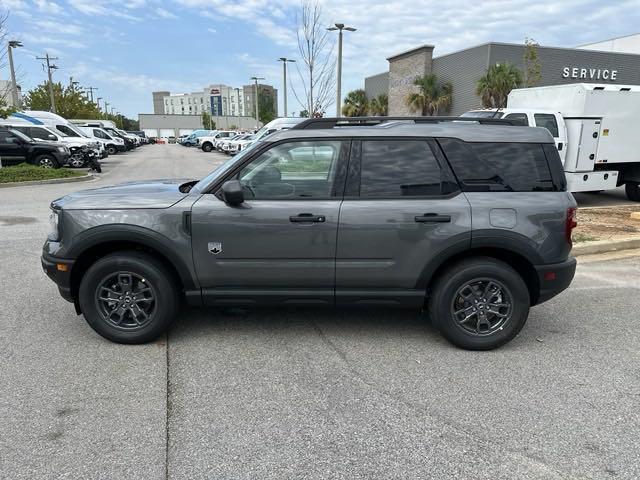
432,218
307,218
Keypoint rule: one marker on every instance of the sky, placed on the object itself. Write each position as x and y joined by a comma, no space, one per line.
129,48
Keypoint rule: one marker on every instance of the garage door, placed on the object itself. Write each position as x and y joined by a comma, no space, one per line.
150,132
167,132
185,131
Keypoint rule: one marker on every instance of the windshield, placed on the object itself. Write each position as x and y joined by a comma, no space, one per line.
21,135
222,169
482,114
58,132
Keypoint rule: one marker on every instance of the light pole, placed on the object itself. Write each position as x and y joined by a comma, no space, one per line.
284,81
340,27
238,99
98,102
255,79
106,108
14,94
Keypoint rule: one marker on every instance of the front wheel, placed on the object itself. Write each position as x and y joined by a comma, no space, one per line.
479,303
112,150
207,147
76,160
129,297
47,161
632,189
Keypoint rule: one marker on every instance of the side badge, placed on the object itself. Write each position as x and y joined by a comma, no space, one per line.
214,247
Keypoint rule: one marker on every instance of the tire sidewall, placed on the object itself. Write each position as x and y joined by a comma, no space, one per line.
153,272
112,150
459,275
207,147
54,162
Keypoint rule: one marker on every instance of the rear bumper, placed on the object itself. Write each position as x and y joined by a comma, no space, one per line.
554,278
61,276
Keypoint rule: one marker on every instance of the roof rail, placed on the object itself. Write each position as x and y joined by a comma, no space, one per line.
331,122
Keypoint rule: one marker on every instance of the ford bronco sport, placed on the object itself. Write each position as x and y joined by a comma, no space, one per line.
469,219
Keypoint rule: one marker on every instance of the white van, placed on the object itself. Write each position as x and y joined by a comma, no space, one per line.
111,143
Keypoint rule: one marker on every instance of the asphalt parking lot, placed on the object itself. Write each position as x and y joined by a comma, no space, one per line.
308,393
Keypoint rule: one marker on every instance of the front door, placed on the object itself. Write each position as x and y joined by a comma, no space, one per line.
401,210
280,244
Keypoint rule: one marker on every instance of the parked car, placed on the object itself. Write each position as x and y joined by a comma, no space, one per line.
192,139
239,145
171,139
111,143
229,146
209,142
16,147
333,212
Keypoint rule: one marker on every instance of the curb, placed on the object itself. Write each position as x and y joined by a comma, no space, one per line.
84,178
604,246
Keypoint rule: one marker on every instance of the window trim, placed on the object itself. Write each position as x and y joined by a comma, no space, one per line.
353,180
338,185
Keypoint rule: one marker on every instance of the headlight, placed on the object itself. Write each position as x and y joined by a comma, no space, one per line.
54,232
62,149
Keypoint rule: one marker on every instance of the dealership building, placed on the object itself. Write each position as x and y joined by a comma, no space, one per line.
594,63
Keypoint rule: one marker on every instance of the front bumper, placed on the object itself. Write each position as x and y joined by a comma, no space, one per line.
62,157
59,270
554,278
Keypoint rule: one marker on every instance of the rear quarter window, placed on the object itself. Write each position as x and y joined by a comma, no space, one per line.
500,166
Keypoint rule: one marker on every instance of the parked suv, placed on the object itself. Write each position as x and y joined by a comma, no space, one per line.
16,147
468,219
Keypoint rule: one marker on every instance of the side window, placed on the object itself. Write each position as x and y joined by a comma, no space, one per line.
293,170
7,137
548,121
493,166
41,134
518,117
67,131
25,130
399,168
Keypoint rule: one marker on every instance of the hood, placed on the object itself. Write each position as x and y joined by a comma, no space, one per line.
127,196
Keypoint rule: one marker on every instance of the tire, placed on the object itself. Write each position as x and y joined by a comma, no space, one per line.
47,161
111,150
632,189
77,161
207,147
149,282
475,334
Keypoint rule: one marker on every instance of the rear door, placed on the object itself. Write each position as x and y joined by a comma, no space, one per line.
12,150
401,209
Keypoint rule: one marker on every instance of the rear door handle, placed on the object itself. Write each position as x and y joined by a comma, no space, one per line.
307,218
432,218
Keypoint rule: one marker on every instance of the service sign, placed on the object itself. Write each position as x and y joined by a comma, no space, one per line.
590,73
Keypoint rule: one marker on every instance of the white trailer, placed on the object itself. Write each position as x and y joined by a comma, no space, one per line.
602,125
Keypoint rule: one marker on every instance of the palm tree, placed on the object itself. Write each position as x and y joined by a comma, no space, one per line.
432,96
379,106
494,87
355,104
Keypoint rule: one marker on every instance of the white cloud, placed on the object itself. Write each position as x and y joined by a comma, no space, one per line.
212,30
48,6
162,13
56,27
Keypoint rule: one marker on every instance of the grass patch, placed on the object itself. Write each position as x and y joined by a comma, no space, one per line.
25,172
582,237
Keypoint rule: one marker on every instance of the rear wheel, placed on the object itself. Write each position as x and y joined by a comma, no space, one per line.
632,189
479,303
129,297
207,147
112,150
47,161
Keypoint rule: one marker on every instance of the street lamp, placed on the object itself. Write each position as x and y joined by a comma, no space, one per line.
98,102
284,74
255,79
14,87
339,27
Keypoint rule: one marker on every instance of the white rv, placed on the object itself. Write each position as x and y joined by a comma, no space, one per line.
595,127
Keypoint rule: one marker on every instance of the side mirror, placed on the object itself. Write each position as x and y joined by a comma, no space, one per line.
53,138
232,193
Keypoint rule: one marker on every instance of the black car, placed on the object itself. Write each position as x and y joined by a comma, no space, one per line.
16,147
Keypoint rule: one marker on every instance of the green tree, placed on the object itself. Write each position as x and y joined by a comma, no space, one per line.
494,87
532,66
266,109
206,120
70,102
379,106
355,104
432,96
304,113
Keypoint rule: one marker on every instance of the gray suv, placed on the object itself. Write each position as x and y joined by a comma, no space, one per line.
468,219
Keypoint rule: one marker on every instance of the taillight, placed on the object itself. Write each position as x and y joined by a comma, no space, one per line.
571,222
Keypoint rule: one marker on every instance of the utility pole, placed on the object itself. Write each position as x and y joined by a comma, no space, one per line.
50,67
90,90
340,27
14,87
284,75
98,102
255,79
106,107
238,99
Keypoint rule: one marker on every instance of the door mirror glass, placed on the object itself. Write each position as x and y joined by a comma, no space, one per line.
52,138
232,193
